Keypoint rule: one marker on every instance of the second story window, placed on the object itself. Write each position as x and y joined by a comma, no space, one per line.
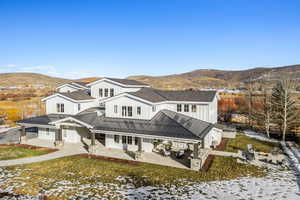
153,108
124,111
179,108
116,108
60,107
138,110
106,92
194,108
100,92
79,106
186,108
112,92
129,111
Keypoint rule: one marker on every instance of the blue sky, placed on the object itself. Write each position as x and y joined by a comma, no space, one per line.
121,38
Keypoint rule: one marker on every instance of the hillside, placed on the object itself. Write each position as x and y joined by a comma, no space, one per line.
210,78
30,79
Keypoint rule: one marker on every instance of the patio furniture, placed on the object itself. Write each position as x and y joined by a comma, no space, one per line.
179,154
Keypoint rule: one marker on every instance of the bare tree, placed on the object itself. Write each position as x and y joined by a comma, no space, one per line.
283,106
250,101
263,114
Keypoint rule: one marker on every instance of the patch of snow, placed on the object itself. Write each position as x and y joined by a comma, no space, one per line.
259,136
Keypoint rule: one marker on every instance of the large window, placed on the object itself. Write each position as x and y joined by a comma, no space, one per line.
100,92
186,108
194,108
136,140
60,107
112,92
127,111
138,110
129,140
179,108
124,139
116,108
106,92
117,138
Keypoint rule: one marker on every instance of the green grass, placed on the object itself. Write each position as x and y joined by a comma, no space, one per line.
241,141
15,152
81,171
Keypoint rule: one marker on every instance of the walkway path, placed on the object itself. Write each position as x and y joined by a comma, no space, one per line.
67,150
223,153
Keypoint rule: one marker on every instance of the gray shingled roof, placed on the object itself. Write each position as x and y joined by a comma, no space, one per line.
165,123
127,81
80,83
44,119
77,95
154,95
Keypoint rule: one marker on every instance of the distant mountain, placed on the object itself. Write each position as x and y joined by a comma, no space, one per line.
202,78
210,78
29,79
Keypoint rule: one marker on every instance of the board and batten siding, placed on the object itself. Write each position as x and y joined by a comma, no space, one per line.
147,145
146,109
206,112
105,84
70,107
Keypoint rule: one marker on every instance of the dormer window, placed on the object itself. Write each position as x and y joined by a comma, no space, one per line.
179,108
112,92
138,110
79,106
186,108
60,107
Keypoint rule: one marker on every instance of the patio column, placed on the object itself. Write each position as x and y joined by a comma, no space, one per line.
23,136
58,138
140,148
92,146
196,150
195,161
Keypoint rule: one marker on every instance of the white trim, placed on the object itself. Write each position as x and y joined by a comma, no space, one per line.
73,85
68,98
147,136
36,125
152,103
116,83
71,119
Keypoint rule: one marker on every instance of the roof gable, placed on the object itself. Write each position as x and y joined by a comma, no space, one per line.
120,82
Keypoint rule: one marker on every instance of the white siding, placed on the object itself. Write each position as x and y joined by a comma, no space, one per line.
215,135
70,107
147,145
146,109
46,135
202,110
105,84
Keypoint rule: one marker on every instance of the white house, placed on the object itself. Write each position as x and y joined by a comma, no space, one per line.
129,115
